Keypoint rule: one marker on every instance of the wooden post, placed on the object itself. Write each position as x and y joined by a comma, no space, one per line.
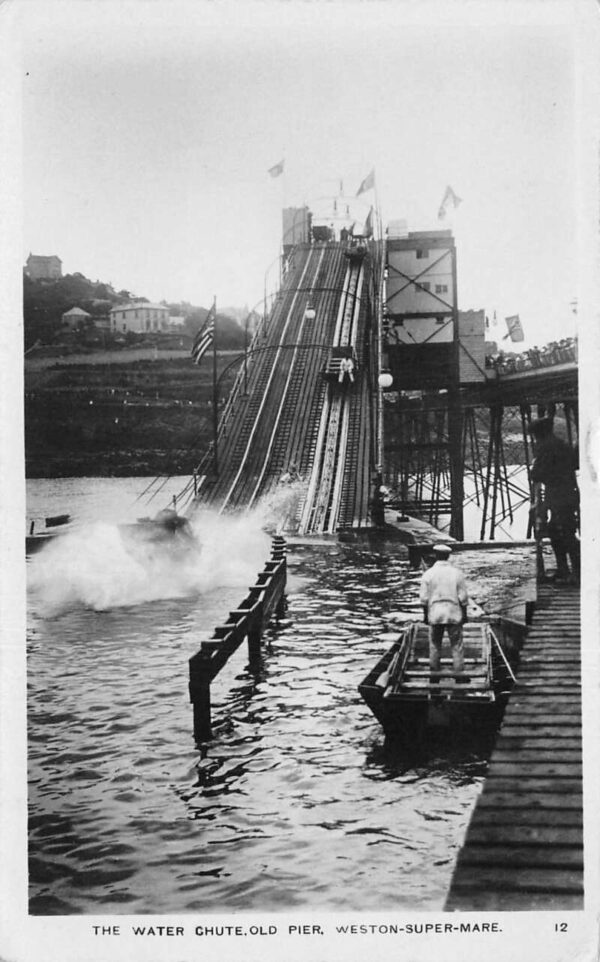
499,413
278,547
455,417
525,410
281,608
202,719
254,643
278,552
200,696
567,410
529,612
488,473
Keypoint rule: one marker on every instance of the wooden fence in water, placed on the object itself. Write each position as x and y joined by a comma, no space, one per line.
265,599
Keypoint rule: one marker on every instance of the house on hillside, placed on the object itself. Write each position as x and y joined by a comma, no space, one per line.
176,322
140,318
39,267
75,319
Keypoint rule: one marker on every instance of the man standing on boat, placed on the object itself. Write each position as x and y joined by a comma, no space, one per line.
444,599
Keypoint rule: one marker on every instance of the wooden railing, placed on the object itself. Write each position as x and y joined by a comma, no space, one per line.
265,599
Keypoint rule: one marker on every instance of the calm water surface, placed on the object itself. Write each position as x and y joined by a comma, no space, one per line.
295,803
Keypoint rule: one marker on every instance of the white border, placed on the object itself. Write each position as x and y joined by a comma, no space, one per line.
524,935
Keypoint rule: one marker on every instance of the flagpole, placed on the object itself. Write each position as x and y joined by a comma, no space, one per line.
377,211
379,414
215,394
283,199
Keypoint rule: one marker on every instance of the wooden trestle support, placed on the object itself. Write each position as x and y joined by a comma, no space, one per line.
495,446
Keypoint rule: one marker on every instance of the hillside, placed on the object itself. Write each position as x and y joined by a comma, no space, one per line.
97,404
132,418
45,301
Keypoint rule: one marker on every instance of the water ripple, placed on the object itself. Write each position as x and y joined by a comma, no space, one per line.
297,802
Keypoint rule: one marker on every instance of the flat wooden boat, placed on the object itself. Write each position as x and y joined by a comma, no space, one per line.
55,526
167,528
35,542
407,698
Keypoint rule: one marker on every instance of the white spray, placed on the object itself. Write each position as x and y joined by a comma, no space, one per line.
99,567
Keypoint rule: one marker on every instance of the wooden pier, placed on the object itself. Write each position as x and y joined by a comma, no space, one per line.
265,599
524,845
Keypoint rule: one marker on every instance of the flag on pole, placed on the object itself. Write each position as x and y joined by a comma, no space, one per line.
367,184
449,199
368,228
277,170
515,328
204,337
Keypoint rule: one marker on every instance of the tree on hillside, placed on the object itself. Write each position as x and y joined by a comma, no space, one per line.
44,303
230,335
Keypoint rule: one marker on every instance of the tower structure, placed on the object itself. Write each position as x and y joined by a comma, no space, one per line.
421,341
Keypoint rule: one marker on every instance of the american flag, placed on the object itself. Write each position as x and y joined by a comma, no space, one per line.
204,337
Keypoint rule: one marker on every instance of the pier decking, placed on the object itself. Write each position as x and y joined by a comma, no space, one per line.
524,845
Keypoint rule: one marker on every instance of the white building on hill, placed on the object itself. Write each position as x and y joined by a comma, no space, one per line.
141,318
75,319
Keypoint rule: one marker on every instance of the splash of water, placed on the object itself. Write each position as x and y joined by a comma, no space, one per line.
280,505
100,567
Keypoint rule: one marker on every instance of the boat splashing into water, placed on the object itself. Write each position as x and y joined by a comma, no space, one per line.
165,528
102,565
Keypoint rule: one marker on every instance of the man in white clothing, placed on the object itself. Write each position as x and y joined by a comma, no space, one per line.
444,599
346,370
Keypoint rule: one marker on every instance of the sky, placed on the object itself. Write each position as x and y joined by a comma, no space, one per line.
148,130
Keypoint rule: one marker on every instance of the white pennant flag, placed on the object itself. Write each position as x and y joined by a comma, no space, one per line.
450,199
277,169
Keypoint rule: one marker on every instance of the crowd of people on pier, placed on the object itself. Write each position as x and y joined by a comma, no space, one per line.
556,352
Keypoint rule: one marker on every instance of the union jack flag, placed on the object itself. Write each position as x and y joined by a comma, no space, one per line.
515,328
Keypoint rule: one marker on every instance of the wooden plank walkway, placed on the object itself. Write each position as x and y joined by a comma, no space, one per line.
524,845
